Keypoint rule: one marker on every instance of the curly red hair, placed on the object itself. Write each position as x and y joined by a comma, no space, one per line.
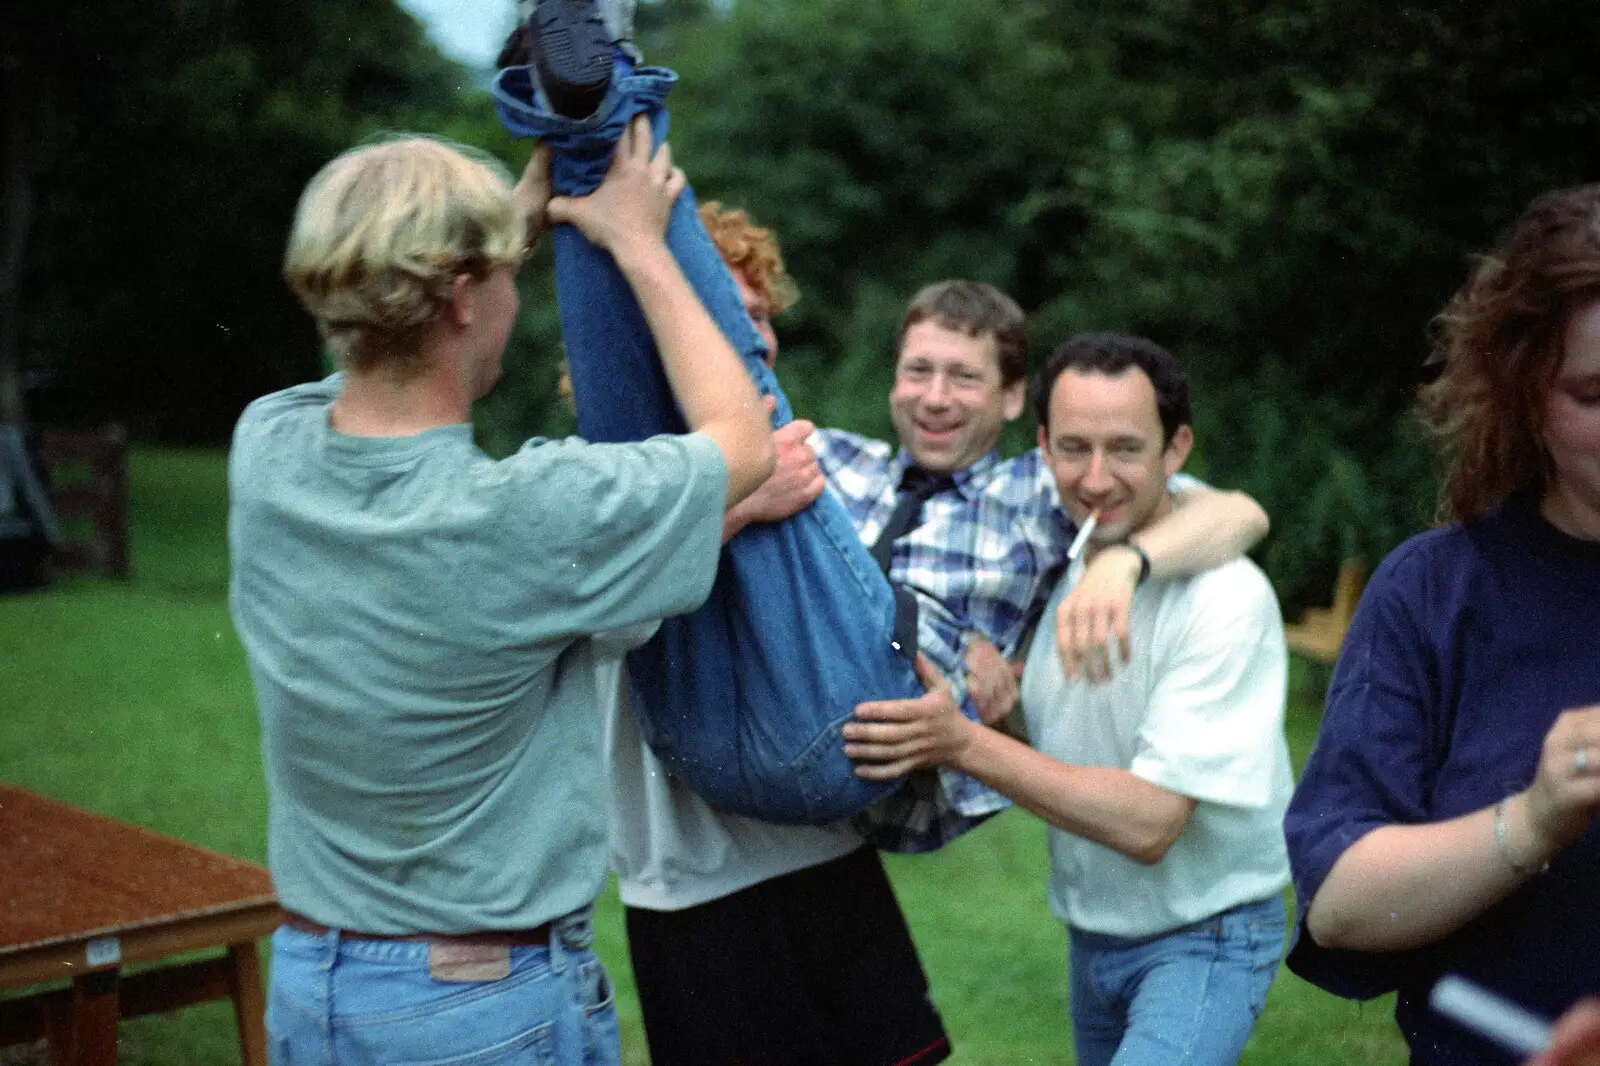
751,250
1499,343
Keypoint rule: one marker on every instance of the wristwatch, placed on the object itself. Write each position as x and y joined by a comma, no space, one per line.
1144,561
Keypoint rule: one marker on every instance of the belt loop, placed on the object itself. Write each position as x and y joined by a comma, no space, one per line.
330,945
570,933
558,948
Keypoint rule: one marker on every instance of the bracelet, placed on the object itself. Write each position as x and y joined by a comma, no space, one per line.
1144,562
1503,846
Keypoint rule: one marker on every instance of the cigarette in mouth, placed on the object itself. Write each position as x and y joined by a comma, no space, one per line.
1082,538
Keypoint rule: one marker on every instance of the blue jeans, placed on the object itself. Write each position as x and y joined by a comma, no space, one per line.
337,1002
1189,997
744,698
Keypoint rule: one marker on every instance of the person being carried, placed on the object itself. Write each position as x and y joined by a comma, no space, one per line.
1164,786
417,618
708,892
1445,820
805,916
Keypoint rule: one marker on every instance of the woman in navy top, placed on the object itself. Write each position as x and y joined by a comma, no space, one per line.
1445,821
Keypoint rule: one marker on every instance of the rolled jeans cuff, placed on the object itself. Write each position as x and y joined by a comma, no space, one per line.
581,149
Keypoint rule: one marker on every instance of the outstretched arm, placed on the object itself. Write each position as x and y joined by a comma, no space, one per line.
1205,529
1111,807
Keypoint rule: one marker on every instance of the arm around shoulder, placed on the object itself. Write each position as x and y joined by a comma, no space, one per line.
1207,527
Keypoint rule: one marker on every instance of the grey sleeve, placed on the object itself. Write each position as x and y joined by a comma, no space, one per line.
603,536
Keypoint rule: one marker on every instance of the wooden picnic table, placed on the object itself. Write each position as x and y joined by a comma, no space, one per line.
82,896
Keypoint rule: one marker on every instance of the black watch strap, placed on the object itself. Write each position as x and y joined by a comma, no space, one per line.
1144,562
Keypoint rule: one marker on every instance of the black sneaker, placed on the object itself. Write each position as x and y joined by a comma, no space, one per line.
572,53
515,52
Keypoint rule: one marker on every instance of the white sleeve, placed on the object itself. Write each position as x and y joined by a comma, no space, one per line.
1214,722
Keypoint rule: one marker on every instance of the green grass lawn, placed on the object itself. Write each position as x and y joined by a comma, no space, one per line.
132,699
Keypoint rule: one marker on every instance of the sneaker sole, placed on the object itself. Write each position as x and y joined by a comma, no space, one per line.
572,54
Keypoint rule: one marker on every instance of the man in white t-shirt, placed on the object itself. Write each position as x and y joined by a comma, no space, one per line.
1165,786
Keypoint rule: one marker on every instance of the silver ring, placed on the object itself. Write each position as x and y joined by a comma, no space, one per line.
1580,762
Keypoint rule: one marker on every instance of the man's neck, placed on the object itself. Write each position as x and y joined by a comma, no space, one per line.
381,403
960,473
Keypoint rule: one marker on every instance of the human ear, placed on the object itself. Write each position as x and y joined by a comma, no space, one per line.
460,306
1178,449
1015,394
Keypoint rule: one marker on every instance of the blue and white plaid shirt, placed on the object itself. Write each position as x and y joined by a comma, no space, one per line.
983,560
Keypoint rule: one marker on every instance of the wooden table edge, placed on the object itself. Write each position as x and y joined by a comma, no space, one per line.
64,959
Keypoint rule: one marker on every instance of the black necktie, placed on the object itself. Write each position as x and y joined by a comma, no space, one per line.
916,487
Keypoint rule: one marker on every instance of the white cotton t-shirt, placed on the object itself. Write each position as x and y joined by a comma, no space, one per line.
672,850
1199,712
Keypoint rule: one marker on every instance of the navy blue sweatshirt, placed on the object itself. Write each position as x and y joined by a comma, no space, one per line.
1468,644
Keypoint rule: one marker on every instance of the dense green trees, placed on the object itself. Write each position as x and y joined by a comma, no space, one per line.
166,143
1281,192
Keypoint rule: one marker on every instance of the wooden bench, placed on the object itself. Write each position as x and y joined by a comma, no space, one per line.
88,473
82,896
1320,632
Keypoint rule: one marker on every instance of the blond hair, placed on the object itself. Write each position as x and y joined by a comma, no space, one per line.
382,231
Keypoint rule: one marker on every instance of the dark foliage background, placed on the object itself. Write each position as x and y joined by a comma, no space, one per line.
1283,193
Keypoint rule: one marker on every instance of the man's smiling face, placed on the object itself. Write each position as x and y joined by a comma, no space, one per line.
948,403
1104,445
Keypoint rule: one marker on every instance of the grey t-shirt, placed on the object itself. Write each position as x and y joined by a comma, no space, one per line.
416,617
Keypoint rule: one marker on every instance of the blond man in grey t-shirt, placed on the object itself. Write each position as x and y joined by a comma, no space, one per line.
418,618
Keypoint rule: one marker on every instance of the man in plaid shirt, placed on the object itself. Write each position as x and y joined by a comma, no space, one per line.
992,537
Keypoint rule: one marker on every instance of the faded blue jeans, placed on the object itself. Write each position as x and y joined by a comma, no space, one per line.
1189,997
744,698
374,1003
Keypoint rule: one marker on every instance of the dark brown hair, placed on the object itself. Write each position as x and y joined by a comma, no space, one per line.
1113,354
1499,345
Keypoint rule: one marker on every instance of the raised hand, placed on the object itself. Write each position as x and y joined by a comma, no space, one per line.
634,201
532,193
1566,786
